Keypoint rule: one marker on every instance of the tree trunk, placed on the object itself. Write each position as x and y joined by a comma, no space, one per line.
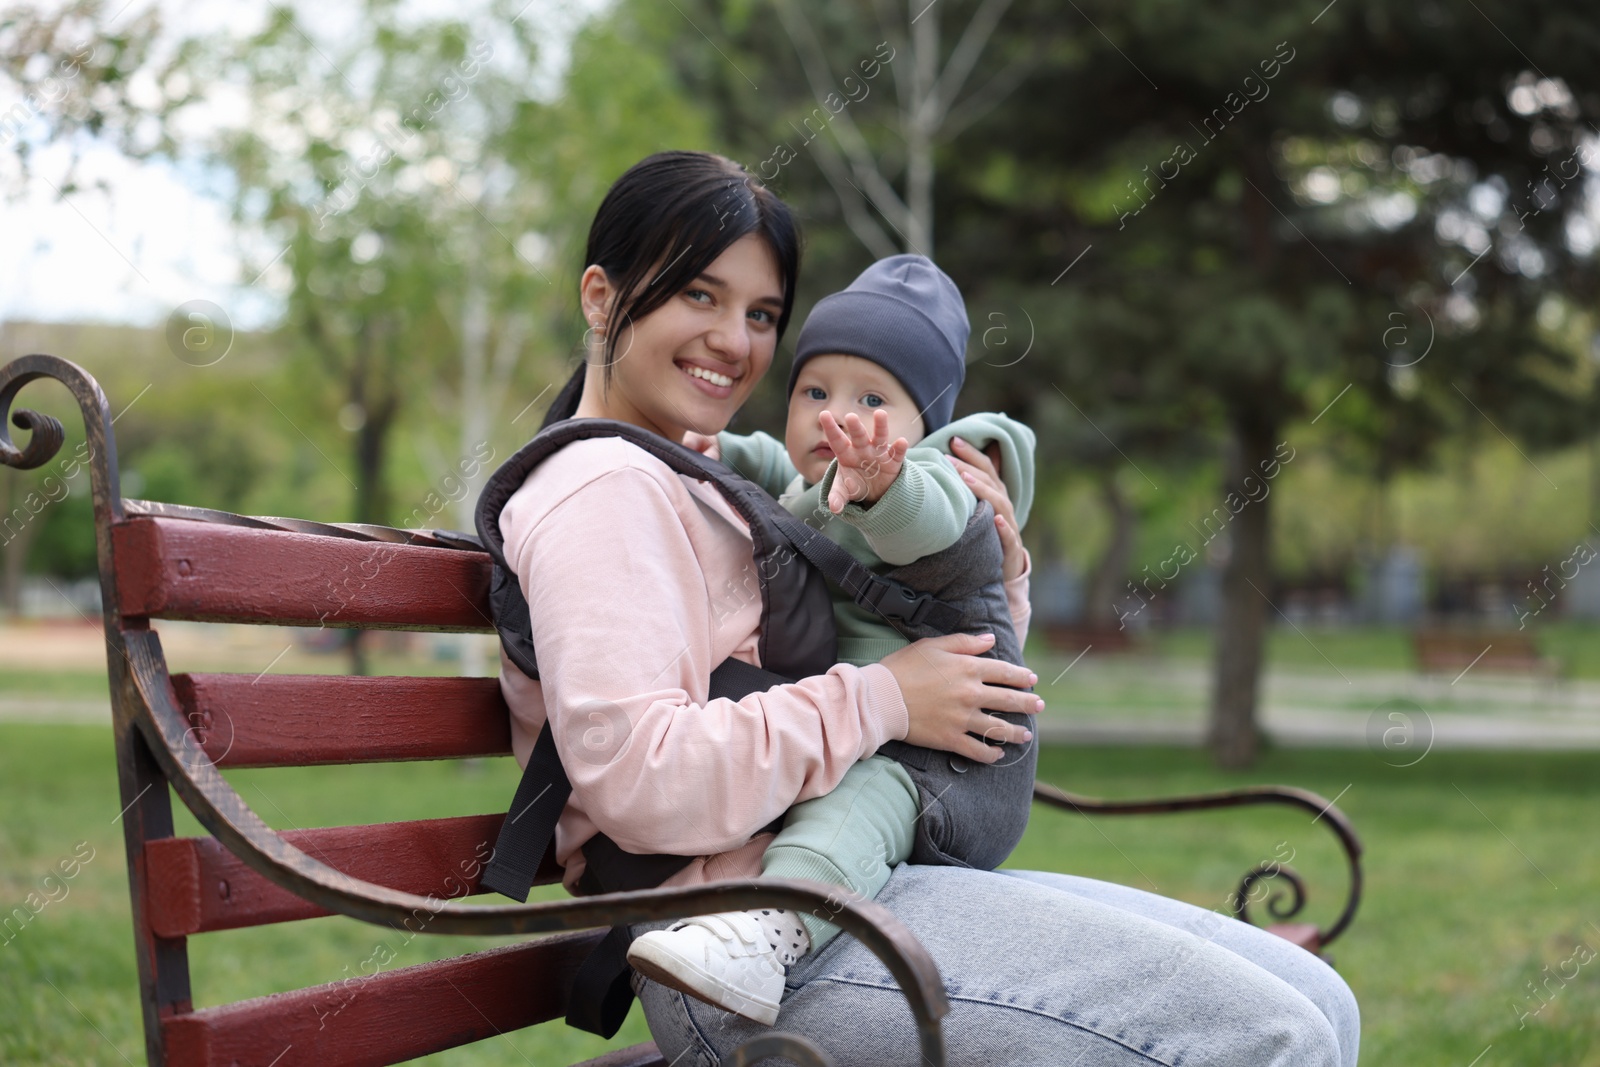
1106,588
920,124
378,407
1594,482
1235,738
475,324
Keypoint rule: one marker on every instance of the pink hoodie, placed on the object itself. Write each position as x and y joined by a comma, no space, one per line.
619,558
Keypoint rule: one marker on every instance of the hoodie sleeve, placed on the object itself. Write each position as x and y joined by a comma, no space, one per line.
1016,452
758,456
924,510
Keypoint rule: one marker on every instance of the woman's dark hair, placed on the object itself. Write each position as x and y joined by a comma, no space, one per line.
671,215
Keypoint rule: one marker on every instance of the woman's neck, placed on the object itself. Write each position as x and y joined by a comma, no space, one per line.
600,400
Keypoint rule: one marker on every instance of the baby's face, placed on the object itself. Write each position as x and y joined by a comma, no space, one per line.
842,384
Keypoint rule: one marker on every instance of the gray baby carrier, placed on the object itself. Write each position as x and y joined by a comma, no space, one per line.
973,814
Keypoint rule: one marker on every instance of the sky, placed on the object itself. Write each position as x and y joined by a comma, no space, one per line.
140,239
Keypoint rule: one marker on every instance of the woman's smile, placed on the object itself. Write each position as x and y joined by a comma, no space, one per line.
712,382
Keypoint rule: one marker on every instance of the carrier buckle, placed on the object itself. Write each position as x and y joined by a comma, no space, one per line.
893,600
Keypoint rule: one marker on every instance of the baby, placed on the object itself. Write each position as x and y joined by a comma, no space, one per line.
865,459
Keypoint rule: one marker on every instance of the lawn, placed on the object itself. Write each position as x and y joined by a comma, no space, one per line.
1575,643
1461,919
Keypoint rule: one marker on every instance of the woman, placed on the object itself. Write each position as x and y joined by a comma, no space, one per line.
634,579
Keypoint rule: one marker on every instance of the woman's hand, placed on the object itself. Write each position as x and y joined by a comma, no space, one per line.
981,472
947,686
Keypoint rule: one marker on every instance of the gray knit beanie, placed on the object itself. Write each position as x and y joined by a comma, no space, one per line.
904,314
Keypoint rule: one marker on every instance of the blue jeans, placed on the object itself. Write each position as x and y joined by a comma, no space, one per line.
1051,969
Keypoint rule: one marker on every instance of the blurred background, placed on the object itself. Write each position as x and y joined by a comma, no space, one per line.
1299,299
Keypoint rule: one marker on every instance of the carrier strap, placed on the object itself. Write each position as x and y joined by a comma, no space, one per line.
602,989
530,825
542,794
874,592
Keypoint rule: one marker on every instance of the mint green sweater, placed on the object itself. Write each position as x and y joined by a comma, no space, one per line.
925,510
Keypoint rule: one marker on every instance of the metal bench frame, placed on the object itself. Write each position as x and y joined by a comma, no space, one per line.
166,739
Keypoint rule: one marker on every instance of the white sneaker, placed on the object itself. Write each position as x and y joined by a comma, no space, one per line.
725,960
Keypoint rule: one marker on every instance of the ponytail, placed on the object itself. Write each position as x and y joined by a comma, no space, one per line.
565,405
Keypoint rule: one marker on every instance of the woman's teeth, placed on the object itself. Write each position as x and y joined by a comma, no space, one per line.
709,375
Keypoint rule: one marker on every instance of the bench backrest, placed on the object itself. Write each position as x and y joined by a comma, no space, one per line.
174,733
1509,650
179,563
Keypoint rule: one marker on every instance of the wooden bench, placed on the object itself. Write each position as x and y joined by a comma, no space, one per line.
174,732
1454,652
1077,638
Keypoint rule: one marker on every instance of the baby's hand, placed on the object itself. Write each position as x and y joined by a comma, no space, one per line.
701,443
868,463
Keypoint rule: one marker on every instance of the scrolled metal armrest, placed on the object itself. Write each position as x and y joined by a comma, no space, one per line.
46,434
1324,809
225,814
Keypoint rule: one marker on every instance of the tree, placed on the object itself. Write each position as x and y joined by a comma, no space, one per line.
1285,191
1211,212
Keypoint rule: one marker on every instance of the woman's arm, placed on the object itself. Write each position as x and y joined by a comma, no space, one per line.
981,471
1017,595
627,636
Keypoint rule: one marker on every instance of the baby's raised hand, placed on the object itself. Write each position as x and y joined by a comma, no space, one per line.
868,462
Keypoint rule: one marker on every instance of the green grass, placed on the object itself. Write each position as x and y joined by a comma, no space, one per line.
1353,648
59,685
1457,917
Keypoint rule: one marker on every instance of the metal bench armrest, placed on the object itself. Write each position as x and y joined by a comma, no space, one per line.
1321,807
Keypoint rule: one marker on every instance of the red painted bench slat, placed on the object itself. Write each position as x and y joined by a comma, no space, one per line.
196,885
182,569
295,720
373,1019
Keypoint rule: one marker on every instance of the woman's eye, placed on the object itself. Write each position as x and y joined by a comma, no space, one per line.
763,316
699,296
872,400
814,393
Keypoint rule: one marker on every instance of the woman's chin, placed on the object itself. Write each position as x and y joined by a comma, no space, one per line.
708,415
706,419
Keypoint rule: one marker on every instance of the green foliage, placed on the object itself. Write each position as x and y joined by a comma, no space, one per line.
1256,199
1204,303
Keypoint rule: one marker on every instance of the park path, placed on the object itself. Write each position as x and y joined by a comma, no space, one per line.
1111,700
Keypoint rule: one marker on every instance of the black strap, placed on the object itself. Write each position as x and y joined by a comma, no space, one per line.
530,825
607,868
734,679
602,990
542,794
887,597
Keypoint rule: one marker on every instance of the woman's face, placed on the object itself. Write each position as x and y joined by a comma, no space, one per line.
693,362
